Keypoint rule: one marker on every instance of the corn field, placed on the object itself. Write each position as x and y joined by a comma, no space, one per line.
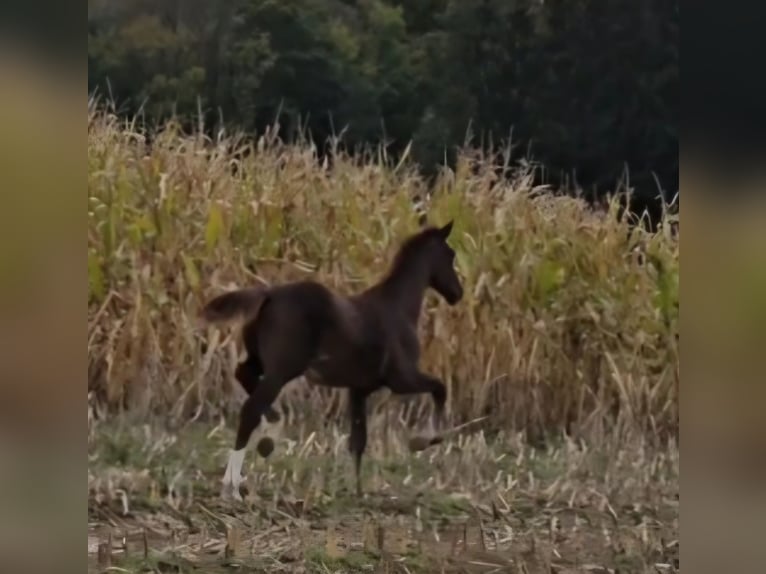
569,321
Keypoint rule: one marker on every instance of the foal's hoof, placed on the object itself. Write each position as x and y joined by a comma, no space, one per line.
265,446
230,491
418,443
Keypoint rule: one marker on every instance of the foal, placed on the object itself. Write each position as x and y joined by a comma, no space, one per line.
363,342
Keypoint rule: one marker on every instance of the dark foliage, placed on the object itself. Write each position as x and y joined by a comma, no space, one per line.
589,87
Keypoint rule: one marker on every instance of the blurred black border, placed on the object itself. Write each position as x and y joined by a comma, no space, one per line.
51,29
723,165
723,111
43,52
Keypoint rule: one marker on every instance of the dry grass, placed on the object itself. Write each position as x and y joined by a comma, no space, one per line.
564,325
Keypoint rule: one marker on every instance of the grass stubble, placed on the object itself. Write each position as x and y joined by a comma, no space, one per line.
567,342
470,504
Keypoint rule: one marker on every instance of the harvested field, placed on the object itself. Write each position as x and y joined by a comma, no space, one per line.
473,504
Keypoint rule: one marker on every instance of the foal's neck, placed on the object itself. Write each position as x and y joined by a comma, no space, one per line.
405,286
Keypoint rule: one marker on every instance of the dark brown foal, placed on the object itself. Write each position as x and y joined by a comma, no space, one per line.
362,343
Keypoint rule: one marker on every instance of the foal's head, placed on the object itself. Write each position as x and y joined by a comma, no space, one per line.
440,260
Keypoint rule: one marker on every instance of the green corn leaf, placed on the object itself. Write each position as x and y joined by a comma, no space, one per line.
96,282
191,272
214,227
550,276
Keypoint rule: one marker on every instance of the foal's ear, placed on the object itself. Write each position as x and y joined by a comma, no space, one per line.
446,230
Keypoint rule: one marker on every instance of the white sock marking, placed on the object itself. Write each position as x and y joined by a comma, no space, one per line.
237,457
232,476
234,468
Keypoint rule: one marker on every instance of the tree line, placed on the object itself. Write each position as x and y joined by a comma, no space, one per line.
588,88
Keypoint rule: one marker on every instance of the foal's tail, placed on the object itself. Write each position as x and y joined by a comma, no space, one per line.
242,303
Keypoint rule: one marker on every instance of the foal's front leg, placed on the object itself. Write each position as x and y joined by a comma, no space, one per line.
413,382
438,392
357,440
402,376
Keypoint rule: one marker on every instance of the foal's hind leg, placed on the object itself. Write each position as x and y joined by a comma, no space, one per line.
285,343
255,407
249,373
